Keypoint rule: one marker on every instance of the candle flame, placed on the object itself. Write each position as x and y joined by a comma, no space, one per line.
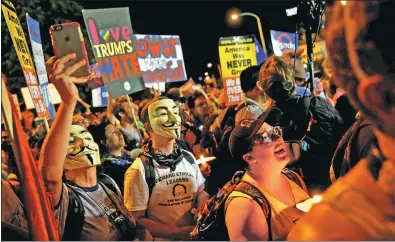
317,198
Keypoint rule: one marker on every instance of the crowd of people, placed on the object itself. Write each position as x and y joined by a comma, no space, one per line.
321,158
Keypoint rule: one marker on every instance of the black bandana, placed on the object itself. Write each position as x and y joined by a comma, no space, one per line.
163,159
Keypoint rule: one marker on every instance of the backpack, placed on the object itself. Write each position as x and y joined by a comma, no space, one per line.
149,170
345,157
326,126
211,220
76,213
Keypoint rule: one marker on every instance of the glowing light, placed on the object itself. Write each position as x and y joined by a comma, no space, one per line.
234,16
201,157
343,2
209,65
206,73
317,198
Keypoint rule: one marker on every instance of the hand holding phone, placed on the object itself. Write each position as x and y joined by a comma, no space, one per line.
67,39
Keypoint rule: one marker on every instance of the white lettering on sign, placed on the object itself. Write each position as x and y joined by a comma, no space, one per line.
230,82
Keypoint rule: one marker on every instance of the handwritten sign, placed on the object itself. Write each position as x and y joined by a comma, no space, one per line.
22,50
283,41
110,33
160,58
235,54
38,55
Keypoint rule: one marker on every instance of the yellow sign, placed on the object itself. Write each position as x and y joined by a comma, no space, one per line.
319,50
25,59
235,54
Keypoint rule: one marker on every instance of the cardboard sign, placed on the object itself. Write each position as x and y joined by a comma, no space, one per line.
283,41
38,55
161,88
6,110
319,50
160,58
53,93
99,97
16,102
96,75
110,33
235,54
22,50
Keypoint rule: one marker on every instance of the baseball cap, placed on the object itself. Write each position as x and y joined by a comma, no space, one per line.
241,138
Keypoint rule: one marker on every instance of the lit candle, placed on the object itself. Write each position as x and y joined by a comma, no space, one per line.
306,205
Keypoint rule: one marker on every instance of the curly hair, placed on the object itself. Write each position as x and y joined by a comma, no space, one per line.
276,78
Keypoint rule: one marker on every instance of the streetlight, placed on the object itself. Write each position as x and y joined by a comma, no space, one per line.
209,65
236,16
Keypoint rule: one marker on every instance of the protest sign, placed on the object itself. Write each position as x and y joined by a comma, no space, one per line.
110,33
22,50
16,102
38,55
235,54
160,58
261,55
319,50
162,86
96,80
283,41
99,97
53,93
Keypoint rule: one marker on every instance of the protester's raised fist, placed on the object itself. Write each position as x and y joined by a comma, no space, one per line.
60,76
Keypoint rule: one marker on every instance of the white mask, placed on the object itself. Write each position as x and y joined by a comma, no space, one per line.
83,151
164,118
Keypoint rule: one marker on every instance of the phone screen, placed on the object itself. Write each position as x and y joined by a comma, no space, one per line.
66,39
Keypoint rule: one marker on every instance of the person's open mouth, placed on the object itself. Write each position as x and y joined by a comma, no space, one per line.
280,150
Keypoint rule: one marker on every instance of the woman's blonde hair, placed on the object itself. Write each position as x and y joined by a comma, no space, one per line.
281,74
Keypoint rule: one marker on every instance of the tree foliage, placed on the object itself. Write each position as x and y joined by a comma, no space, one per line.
47,13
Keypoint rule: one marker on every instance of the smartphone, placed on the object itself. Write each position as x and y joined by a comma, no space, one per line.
66,39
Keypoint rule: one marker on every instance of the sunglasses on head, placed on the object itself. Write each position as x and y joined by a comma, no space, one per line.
268,137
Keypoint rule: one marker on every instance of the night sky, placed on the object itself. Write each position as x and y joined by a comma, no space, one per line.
201,23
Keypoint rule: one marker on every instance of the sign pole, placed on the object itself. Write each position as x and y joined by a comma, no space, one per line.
46,124
134,117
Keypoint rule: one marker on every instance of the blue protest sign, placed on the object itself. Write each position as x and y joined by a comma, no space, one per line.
283,41
261,56
38,55
99,97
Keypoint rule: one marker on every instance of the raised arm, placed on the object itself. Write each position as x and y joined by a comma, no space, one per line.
56,143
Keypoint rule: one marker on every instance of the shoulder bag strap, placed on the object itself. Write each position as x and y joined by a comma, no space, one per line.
252,191
75,217
149,172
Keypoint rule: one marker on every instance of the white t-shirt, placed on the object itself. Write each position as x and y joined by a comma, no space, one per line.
173,195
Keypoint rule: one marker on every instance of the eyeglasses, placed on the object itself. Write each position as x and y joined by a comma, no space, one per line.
267,137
